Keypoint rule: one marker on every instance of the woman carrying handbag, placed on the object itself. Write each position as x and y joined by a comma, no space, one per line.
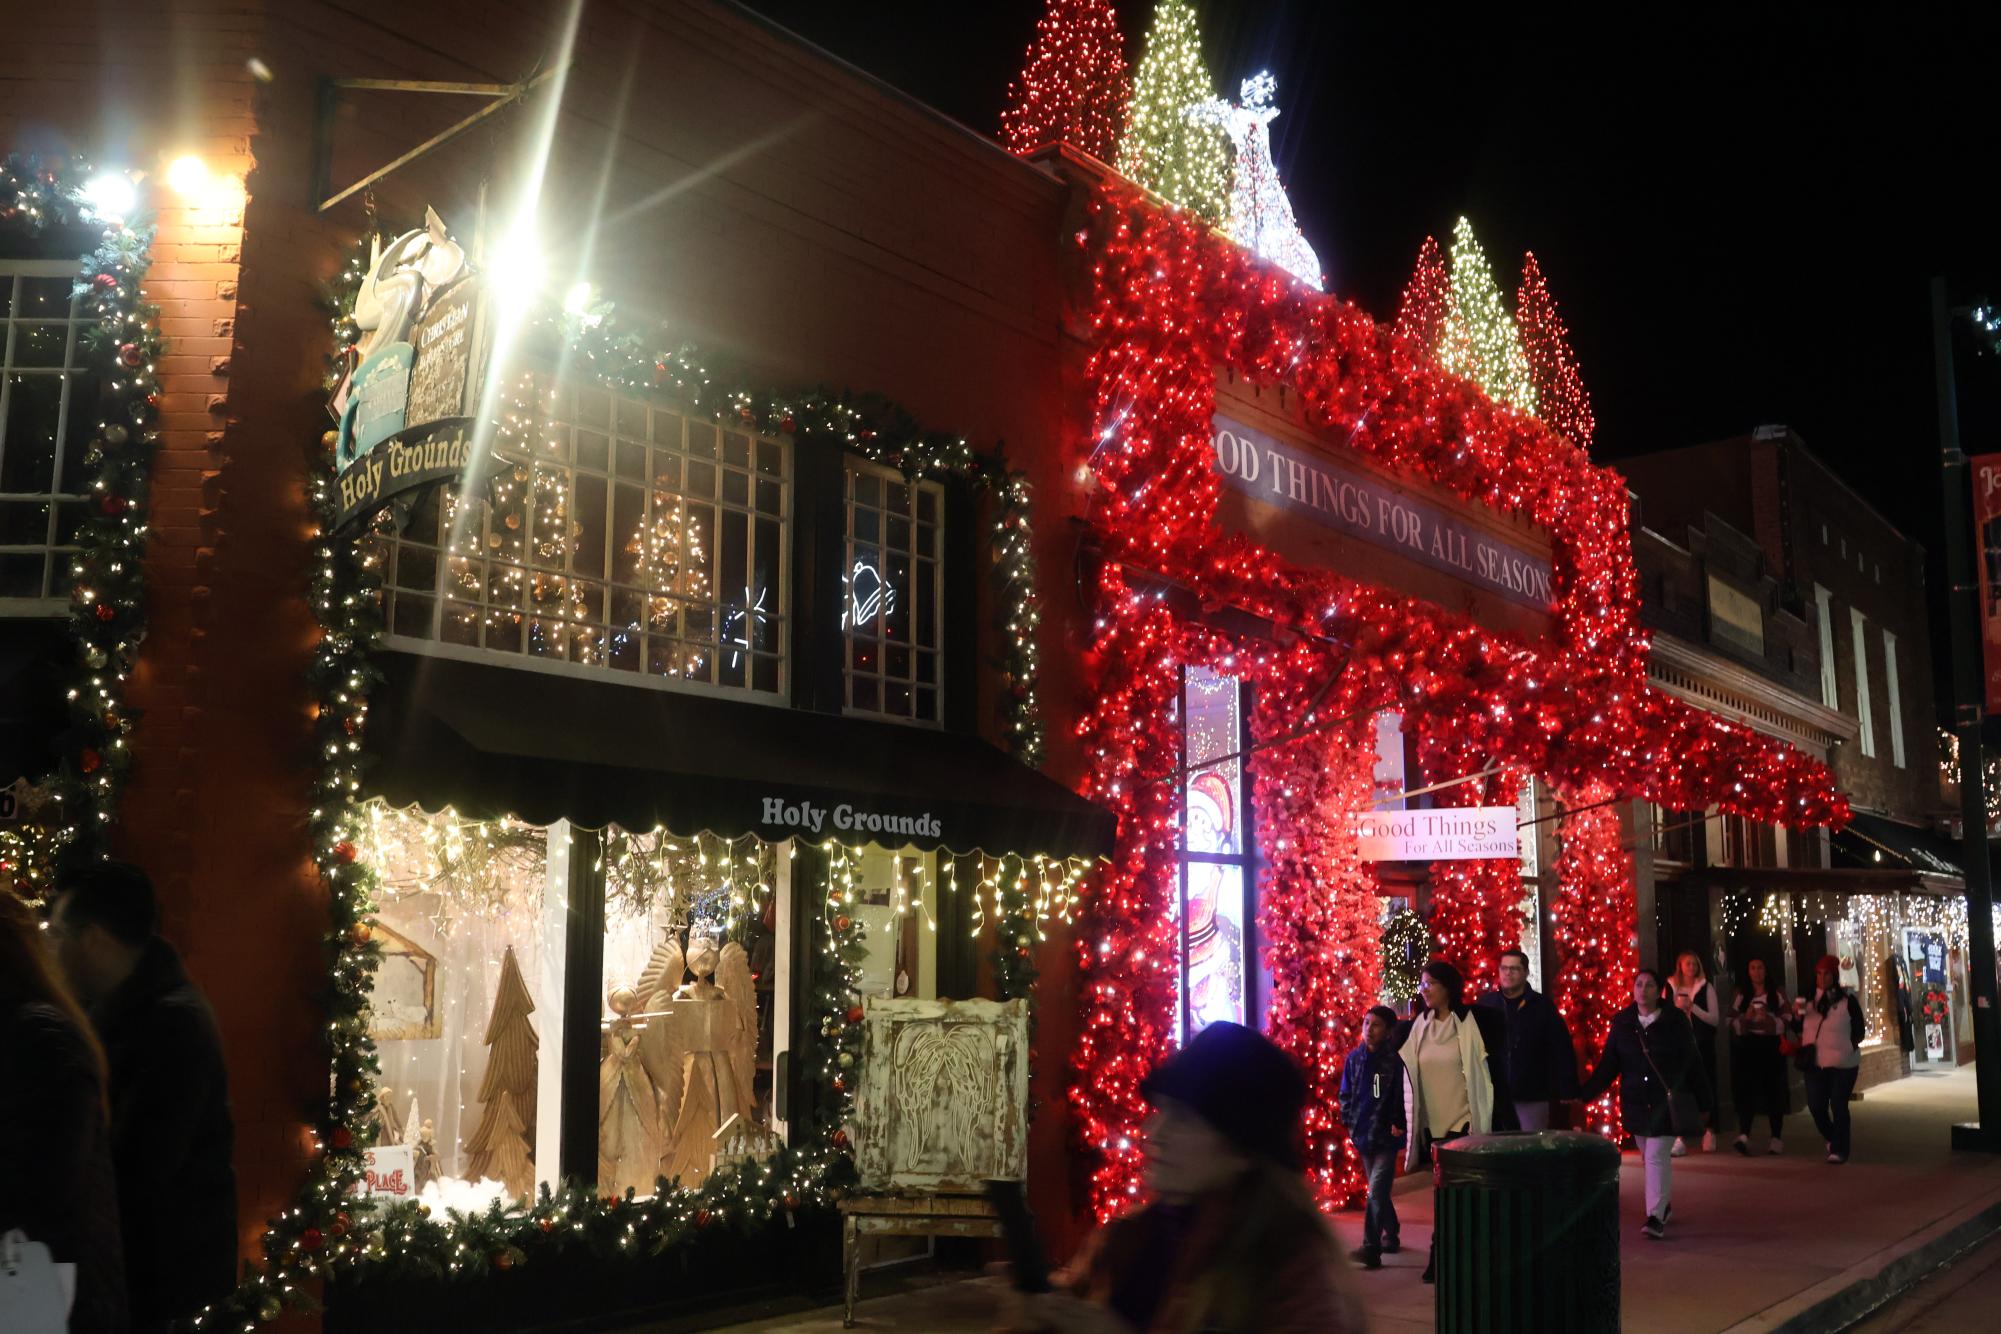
1651,1052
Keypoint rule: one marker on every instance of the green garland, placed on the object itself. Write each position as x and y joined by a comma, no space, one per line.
330,1233
74,806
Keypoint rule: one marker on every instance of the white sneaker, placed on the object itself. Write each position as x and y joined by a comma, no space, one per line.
1776,1147
1680,1149
1836,1158
1708,1142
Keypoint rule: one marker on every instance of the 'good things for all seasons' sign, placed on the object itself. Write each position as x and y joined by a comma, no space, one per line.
1352,501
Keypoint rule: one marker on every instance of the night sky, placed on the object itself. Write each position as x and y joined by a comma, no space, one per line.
1739,215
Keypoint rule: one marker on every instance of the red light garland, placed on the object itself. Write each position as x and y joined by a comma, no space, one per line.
1172,303
1596,925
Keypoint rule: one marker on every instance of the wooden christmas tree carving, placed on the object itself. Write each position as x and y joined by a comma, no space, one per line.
500,1149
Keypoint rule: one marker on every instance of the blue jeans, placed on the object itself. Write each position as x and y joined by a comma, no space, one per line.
1379,1220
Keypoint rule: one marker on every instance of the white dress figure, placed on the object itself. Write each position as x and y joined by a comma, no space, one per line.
628,1109
700,1049
1260,214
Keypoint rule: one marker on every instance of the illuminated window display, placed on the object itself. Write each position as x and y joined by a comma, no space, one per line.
891,584
1215,858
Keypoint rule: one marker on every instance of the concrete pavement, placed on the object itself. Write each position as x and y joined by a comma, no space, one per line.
1757,1246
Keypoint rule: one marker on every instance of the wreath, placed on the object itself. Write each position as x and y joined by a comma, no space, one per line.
1937,1006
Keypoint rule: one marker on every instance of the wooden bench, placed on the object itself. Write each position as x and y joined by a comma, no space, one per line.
904,1215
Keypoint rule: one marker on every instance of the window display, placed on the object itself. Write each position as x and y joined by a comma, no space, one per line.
47,416
469,990
611,532
694,977
1214,851
892,592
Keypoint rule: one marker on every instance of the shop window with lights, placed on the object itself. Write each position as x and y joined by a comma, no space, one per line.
1216,854
466,1006
892,590
48,412
611,533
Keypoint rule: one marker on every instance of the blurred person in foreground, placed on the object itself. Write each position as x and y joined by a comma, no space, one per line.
172,1136
1232,1241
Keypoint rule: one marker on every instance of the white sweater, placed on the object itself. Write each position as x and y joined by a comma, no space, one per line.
1836,1044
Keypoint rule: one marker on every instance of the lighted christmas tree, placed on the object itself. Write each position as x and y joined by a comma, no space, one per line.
1483,344
499,1149
1260,216
1424,316
1171,150
1560,396
1072,88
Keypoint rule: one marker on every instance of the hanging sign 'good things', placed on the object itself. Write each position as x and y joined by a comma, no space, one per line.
406,414
1446,834
1359,504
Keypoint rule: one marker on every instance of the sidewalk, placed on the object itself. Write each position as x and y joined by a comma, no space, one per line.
1753,1245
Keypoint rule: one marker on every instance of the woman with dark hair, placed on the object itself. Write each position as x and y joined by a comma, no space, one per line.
56,1184
1757,1065
1651,1052
1831,1029
1453,1085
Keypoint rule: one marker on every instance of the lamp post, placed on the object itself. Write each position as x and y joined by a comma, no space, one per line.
1964,616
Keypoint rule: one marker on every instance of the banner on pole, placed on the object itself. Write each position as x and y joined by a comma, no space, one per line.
1987,534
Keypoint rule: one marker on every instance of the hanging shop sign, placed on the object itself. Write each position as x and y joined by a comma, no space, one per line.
1987,527
406,413
1443,835
1359,504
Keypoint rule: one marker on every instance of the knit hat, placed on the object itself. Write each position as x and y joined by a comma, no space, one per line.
1832,963
1249,1091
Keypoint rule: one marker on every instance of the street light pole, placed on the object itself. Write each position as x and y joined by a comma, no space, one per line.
1968,705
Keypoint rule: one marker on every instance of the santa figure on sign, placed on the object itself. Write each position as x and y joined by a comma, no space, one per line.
1215,943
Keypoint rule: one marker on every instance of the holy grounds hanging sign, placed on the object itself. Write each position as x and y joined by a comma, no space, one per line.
407,410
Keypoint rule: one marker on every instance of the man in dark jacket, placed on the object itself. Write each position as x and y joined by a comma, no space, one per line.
171,1134
1539,1064
1372,1109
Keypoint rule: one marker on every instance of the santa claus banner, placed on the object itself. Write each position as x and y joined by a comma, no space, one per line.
1987,530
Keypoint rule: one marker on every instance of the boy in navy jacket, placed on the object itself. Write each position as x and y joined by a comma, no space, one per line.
1372,1109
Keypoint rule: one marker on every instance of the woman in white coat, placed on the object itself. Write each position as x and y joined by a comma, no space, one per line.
1452,1083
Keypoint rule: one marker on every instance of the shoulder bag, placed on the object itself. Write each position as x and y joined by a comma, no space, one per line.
1684,1113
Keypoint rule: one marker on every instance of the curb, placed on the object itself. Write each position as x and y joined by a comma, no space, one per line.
1841,1301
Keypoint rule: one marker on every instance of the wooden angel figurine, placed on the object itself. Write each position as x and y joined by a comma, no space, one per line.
427,1168
700,1046
388,1122
629,1145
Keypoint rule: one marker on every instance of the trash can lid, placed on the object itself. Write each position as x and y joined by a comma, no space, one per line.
1536,1151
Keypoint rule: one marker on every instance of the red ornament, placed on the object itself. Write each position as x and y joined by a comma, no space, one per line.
112,503
345,852
311,1239
854,1014
787,425
701,1218
106,612
503,1260
131,354
89,760
547,1225
340,1225
841,923
105,281
839,1138
342,1138
840,1084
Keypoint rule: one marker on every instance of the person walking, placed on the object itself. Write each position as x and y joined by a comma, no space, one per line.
1698,1000
1539,1063
1650,1051
171,1132
1831,1029
1372,1109
1757,1065
56,1184
1232,1241
1453,1084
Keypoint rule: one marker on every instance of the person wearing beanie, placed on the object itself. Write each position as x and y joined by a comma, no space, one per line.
1454,1080
1831,1029
1232,1241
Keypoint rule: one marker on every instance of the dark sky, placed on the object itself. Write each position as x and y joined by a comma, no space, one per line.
1739,215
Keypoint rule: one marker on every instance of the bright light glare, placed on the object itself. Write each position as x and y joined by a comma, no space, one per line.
110,196
518,271
578,299
188,175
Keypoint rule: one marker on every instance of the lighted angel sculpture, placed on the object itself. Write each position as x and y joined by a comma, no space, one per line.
629,1143
1260,213
401,279
699,1046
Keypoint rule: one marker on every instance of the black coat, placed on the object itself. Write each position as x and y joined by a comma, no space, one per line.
1644,1084
55,1158
1540,1063
172,1139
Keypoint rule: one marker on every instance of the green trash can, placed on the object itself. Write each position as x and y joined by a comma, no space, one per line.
1528,1234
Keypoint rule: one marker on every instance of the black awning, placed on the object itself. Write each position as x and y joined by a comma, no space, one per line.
492,740
1874,843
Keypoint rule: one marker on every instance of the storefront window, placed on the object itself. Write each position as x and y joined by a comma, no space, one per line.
48,412
891,590
1215,851
466,1008
696,943
615,534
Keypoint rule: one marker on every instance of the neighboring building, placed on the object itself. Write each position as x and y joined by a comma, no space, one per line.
1778,596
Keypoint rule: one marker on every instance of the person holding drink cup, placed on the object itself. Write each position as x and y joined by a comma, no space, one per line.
1757,1063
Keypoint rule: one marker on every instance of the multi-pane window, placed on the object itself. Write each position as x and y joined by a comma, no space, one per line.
48,412
620,534
1896,699
1215,851
1857,633
891,618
